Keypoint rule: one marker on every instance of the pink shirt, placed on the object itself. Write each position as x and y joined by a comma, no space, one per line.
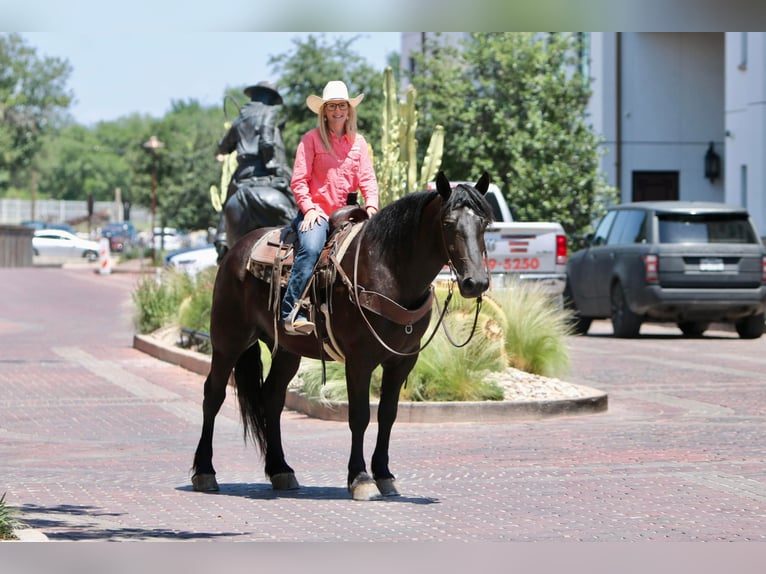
322,180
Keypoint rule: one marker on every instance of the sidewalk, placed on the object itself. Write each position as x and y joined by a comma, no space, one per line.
97,440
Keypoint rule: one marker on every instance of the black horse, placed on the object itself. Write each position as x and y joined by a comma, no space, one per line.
380,301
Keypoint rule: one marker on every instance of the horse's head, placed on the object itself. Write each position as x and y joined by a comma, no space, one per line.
465,216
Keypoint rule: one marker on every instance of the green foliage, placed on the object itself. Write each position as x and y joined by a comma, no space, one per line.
396,164
158,299
534,328
448,373
513,104
194,312
8,520
32,93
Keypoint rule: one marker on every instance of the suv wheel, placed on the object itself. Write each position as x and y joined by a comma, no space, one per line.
580,324
625,323
750,327
693,328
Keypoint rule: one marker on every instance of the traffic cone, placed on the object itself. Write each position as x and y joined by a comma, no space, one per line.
104,260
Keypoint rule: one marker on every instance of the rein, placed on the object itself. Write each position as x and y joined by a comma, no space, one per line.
356,294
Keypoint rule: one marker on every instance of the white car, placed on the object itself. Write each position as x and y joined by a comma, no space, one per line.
60,243
167,238
193,260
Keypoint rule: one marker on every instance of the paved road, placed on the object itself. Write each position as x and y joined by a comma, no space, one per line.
97,438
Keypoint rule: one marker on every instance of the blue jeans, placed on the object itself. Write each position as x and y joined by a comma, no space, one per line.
307,251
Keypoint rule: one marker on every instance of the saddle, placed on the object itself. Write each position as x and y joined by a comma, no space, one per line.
271,260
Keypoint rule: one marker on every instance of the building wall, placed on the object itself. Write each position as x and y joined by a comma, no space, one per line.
745,113
672,97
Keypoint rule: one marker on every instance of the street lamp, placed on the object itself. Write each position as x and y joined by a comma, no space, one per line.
153,144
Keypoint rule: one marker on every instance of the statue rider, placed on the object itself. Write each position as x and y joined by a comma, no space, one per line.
259,193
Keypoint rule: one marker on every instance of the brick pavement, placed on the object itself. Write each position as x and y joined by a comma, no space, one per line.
97,438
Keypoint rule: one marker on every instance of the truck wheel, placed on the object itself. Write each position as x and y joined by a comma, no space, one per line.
750,327
625,323
693,328
580,324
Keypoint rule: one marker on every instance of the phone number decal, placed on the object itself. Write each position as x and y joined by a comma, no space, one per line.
514,264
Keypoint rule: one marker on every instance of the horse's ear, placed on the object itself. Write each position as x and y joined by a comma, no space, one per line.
483,184
442,185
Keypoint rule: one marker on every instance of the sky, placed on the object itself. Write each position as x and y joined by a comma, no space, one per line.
117,74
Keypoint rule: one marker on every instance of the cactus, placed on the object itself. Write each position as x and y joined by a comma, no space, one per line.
228,165
396,167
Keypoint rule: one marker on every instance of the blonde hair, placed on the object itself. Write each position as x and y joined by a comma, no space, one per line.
324,132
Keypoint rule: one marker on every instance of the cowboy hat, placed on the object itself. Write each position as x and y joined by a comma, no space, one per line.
265,92
334,90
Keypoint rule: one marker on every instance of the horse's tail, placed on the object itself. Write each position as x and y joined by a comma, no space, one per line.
248,375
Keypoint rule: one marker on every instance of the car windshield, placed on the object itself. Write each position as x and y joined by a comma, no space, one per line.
706,228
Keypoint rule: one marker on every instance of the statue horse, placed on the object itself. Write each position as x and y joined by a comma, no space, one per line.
257,202
380,304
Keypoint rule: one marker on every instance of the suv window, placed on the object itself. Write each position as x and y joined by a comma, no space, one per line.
706,228
602,231
628,228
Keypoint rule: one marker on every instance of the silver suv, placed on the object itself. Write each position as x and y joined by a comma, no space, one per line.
691,263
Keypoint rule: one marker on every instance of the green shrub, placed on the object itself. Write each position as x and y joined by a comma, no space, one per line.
158,298
535,329
194,312
8,520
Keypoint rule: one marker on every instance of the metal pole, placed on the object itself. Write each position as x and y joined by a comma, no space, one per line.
152,145
154,200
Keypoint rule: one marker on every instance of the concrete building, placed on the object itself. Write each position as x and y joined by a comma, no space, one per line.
672,106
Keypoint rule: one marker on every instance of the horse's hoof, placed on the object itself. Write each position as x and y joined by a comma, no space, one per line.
284,481
205,483
387,486
364,488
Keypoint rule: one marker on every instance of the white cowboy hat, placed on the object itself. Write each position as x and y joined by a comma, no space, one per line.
334,90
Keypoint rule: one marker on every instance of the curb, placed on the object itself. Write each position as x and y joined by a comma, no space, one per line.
594,401
29,535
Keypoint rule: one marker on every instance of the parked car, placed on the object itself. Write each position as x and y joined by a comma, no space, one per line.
691,263
192,260
168,239
60,243
121,234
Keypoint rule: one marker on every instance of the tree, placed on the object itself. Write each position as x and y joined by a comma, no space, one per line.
188,166
32,91
513,104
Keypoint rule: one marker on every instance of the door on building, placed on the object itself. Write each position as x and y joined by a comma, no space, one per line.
655,185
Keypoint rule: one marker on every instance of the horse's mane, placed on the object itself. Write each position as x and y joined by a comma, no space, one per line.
392,227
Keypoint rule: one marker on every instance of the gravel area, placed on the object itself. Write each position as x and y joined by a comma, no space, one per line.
522,386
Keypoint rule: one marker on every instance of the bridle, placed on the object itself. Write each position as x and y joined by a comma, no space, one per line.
354,291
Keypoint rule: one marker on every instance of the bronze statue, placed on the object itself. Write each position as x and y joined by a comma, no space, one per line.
258,194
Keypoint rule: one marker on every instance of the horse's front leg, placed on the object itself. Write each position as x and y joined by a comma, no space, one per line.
394,375
360,484
284,365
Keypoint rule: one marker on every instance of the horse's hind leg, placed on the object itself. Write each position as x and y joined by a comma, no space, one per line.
203,478
393,378
284,365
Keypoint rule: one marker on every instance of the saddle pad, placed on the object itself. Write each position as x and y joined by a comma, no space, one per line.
269,247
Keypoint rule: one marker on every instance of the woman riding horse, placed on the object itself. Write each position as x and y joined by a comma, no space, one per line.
380,301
